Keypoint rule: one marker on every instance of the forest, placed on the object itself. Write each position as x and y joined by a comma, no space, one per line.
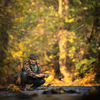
65,34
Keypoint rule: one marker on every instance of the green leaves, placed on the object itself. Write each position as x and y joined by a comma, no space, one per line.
86,62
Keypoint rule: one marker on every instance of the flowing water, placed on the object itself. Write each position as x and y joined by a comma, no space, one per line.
38,94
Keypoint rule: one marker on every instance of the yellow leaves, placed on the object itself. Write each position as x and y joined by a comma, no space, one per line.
80,48
73,60
38,51
73,34
66,20
16,19
99,35
31,21
85,8
51,77
57,19
27,41
41,38
51,7
71,20
65,31
82,52
21,19
49,43
73,48
21,4
51,56
54,56
54,36
30,45
94,90
41,9
79,92
33,3
63,3
76,73
71,40
18,54
28,27
54,21
51,14
39,25
36,28
42,24
17,26
35,38
28,50
11,37
7,58
36,33
13,88
55,40
22,29
72,10
23,33
30,9
16,90
46,56
80,17
71,55
56,15
70,52
10,86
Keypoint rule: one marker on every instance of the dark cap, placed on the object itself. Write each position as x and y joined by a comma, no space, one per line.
33,56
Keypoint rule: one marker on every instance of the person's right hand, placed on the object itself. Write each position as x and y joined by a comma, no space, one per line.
46,75
40,75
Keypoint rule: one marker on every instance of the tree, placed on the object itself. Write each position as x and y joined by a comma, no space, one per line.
62,47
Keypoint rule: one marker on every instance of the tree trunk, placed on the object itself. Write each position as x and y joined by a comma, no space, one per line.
62,50
62,58
60,7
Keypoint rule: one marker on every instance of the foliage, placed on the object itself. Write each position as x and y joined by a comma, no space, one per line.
86,62
32,26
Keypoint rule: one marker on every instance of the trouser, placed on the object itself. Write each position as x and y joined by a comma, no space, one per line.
25,79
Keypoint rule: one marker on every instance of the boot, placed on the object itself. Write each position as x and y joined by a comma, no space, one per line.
24,76
38,83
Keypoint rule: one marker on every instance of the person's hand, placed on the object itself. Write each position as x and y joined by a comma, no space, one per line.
40,75
46,75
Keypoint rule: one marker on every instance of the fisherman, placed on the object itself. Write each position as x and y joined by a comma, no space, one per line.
31,73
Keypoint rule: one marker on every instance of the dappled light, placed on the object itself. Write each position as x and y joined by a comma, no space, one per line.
55,41
86,81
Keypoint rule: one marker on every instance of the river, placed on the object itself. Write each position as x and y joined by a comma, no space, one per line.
38,94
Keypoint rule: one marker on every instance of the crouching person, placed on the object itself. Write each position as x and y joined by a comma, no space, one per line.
31,73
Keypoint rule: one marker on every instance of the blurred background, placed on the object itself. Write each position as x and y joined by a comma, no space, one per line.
46,27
